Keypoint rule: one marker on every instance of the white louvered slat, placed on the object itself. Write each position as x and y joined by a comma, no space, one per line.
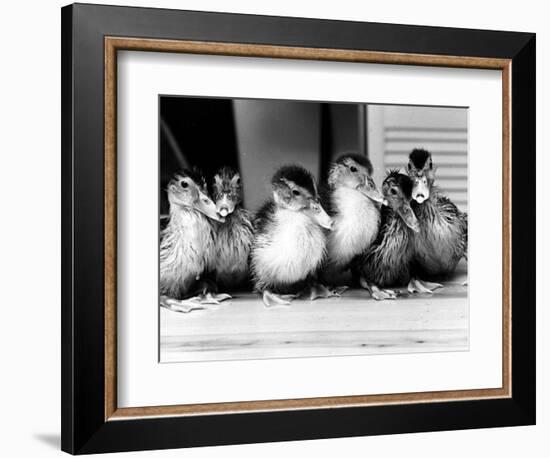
404,134
447,147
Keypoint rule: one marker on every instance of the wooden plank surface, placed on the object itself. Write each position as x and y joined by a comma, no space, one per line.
353,324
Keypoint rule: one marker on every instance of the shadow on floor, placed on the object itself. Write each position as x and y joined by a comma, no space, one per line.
51,439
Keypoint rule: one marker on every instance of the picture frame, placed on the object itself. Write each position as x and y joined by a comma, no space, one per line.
92,35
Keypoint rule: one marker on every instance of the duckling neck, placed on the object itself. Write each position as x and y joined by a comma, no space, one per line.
237,225
428,205
184,218
234,215
426,210
348,202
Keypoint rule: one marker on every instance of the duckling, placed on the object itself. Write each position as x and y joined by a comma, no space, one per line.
387,263
233,238
289,243
443,237
187,248
354,204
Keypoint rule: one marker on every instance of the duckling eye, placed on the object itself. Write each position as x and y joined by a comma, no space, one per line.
295,192
353,169
393,191
184,184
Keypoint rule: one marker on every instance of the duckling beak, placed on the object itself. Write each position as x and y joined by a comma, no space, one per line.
208,208
373,194
407,215
420,192
321,216
224,206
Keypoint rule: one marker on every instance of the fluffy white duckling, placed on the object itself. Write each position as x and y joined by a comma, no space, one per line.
289,244
354,203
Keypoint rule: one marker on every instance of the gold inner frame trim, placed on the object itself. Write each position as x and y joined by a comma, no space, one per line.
114,44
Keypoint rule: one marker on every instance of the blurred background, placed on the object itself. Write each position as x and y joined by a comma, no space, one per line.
258,136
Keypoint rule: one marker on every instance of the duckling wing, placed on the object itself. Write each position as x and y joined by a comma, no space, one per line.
464,221
246,218
442,242
457,218
264,216
446,205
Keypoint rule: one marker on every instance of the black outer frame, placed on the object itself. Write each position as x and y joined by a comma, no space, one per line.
84,429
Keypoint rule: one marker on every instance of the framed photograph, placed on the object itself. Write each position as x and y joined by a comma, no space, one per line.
282,228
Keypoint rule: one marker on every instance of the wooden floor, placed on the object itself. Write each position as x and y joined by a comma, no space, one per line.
355,324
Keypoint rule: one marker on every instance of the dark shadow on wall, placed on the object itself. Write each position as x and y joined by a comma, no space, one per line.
253,136
195,132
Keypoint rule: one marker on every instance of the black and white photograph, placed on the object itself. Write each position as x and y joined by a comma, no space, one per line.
293,228
275,229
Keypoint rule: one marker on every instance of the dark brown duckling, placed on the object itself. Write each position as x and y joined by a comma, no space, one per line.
443,237
388,261
289,244
187,248
234,237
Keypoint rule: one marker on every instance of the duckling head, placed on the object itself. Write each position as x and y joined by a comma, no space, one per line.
187,190
397,189
294,189
355,172
422,173
227,191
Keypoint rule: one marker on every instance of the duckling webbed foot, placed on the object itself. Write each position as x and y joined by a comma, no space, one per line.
213,298
377,293
318,290
207,293
181,306
272,300
420,286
